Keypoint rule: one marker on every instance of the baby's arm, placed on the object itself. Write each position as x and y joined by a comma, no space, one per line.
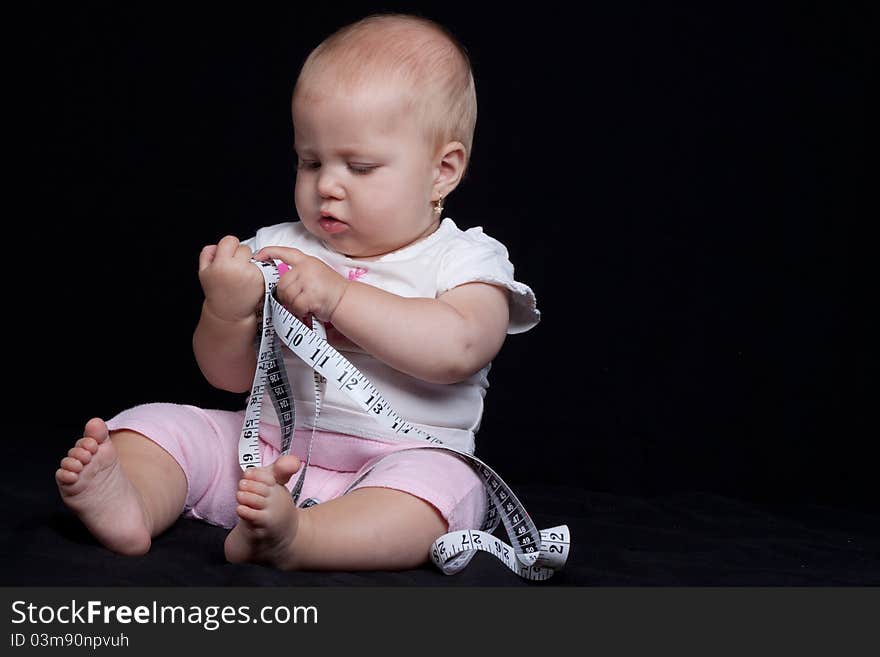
441,340
223,341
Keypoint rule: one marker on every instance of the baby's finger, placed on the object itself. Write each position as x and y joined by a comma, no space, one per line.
206,257
289,288
243,252
227,246
283,253
298,308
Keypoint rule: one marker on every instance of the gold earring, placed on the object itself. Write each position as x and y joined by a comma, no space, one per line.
438,206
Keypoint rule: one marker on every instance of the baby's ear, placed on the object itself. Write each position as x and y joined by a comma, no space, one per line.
451,162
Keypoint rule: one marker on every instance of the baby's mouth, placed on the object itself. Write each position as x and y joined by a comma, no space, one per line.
332,225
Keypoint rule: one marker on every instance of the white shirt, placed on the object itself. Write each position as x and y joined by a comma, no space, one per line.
445,259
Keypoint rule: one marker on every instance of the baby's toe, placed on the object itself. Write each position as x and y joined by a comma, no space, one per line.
71,464
65,476
247,513
80,454
263,475
284,468
97,429
253,486
88,443
252,500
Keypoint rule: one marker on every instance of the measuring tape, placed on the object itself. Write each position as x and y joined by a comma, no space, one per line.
531,554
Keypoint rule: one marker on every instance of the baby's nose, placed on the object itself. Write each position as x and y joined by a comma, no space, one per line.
329,187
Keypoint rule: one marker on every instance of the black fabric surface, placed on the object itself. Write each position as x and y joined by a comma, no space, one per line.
681,539
684,187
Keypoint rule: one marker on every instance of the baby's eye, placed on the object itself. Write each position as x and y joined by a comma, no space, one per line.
307,164
361,169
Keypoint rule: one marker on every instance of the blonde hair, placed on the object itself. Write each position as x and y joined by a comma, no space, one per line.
422,55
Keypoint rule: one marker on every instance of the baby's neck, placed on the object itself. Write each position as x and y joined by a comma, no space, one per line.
367,258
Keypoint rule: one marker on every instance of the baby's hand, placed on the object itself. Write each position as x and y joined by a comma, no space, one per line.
233,285
309,287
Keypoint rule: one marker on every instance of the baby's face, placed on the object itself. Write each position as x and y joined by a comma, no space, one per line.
365,171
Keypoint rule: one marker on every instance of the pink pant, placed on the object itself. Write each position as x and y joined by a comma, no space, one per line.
205,444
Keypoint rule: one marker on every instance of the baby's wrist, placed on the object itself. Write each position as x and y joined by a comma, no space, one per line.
345,286
215,316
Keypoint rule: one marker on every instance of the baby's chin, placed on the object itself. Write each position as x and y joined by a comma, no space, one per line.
347,243
350,248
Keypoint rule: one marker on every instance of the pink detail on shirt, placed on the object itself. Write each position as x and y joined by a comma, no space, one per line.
356,273
353,273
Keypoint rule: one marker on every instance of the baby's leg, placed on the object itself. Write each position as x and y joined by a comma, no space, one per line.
369,528
125,488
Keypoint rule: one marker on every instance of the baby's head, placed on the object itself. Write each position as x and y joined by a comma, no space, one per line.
384,113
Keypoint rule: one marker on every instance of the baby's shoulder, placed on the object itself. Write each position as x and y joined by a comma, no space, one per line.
472,256
470,252
472,240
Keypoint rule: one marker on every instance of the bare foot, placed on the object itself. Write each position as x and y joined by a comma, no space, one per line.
269,519
93,485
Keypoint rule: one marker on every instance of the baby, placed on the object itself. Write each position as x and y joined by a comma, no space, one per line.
383,114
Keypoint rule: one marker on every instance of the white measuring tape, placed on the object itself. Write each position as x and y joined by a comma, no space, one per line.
534,555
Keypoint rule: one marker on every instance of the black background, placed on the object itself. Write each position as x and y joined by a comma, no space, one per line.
680,186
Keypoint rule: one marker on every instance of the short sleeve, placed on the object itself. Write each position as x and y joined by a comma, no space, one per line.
282,234
256,242
477,258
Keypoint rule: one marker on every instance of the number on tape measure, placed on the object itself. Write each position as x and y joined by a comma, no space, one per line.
531,554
